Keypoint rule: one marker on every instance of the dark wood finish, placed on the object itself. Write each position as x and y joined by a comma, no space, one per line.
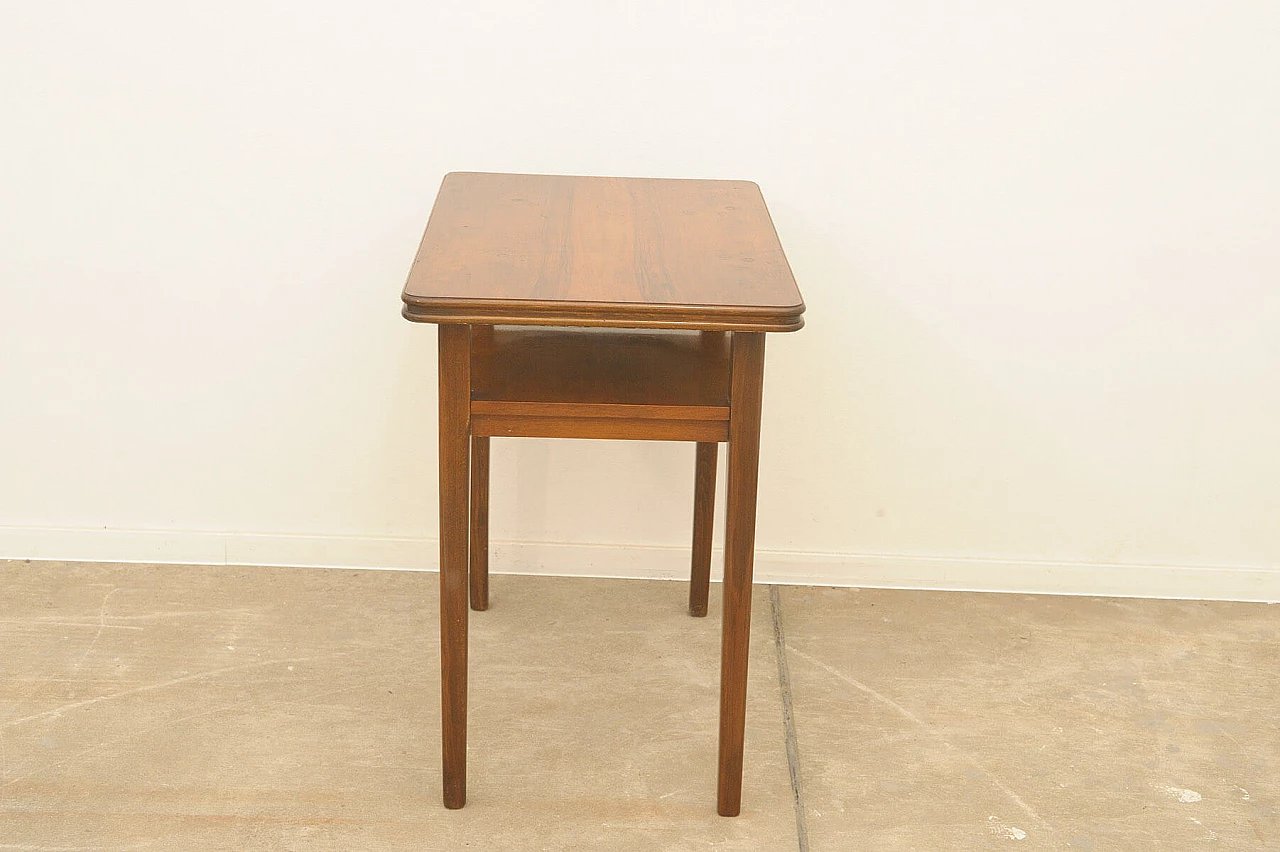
575,383
500,313
577,409
455,382
640,429
479,522
653,273
600,367
747,384
596,251
704,510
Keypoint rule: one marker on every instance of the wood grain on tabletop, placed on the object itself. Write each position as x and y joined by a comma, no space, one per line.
602,251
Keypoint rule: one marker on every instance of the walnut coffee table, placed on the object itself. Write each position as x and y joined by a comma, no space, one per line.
592,307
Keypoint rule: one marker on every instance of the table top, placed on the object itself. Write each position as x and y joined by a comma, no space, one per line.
600,251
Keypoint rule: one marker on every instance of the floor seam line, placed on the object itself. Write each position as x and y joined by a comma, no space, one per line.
788,718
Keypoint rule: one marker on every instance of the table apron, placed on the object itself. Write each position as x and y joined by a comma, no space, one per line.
616,428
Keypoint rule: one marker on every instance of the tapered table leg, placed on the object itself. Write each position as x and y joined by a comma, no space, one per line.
479,522
746,385
704,509
455,415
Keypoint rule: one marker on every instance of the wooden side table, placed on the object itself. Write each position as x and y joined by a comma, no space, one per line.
591,307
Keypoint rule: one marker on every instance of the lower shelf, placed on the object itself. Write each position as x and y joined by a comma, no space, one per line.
600,366
629,384
615,428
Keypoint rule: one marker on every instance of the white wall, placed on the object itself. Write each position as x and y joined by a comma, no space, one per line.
1038,243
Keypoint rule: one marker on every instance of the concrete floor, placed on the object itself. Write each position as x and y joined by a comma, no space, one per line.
193,708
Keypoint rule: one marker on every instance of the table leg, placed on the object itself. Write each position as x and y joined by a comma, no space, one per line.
479,522
455,426
746,385
704,509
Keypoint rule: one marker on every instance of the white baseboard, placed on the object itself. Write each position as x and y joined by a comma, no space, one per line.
648,562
